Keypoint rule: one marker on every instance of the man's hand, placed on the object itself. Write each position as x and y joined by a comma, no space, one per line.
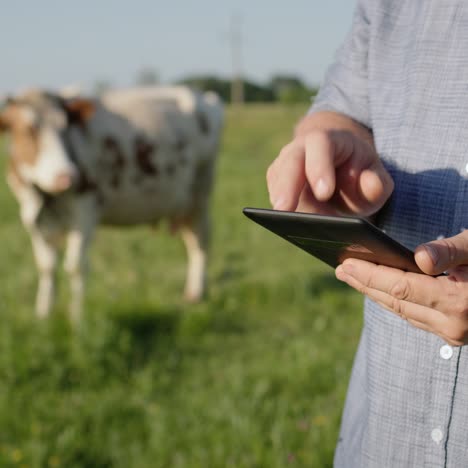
330,167
437,305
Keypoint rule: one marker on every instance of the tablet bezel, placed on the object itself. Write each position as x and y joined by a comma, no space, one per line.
333,239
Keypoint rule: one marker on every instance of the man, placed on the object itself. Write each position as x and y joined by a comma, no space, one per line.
387,138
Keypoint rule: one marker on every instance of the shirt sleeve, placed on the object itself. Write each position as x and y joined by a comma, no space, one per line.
345,87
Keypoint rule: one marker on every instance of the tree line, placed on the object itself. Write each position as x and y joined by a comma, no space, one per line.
282,88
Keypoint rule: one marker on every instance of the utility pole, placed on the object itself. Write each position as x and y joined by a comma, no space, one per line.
237,83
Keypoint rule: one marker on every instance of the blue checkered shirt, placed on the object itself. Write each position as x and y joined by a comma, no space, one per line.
403,73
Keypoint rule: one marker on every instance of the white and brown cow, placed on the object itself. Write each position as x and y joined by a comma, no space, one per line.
133,156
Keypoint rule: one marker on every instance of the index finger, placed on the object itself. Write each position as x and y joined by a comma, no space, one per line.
320,164
286,177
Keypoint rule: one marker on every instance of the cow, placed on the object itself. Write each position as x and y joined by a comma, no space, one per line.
131,156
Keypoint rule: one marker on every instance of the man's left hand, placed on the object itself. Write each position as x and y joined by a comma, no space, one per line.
436,304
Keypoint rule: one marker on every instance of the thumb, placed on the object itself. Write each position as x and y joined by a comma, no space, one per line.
438,256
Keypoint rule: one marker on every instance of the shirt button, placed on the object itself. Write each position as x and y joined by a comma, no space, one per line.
440,237
446,352
437,435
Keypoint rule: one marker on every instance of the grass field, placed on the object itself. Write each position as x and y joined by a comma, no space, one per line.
255,376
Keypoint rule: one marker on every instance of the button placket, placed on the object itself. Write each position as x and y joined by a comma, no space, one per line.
444,381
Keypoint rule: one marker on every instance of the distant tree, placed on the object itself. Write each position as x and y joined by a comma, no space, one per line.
209,83
291,89
147,77
253,92
281,82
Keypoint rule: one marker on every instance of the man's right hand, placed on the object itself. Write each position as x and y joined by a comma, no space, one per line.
330,167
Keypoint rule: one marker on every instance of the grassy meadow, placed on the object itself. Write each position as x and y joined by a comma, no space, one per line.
255,376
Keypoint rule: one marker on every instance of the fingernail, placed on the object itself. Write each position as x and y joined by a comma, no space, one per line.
321,189
433,253
348,269
339,273
279,204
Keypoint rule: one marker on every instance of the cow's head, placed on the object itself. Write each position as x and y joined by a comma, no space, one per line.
40,125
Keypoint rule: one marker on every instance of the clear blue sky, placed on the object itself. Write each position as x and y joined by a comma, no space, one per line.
57,42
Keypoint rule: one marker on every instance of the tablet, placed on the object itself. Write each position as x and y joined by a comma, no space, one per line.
333,239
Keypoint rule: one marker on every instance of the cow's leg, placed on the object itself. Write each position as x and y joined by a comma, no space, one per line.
196,233
75,261
74,265
45,254
196,236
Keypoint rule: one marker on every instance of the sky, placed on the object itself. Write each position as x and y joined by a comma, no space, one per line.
57,43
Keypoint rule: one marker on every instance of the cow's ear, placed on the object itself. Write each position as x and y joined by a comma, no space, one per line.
80,110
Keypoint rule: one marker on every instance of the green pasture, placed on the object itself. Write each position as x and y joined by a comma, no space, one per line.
255,376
